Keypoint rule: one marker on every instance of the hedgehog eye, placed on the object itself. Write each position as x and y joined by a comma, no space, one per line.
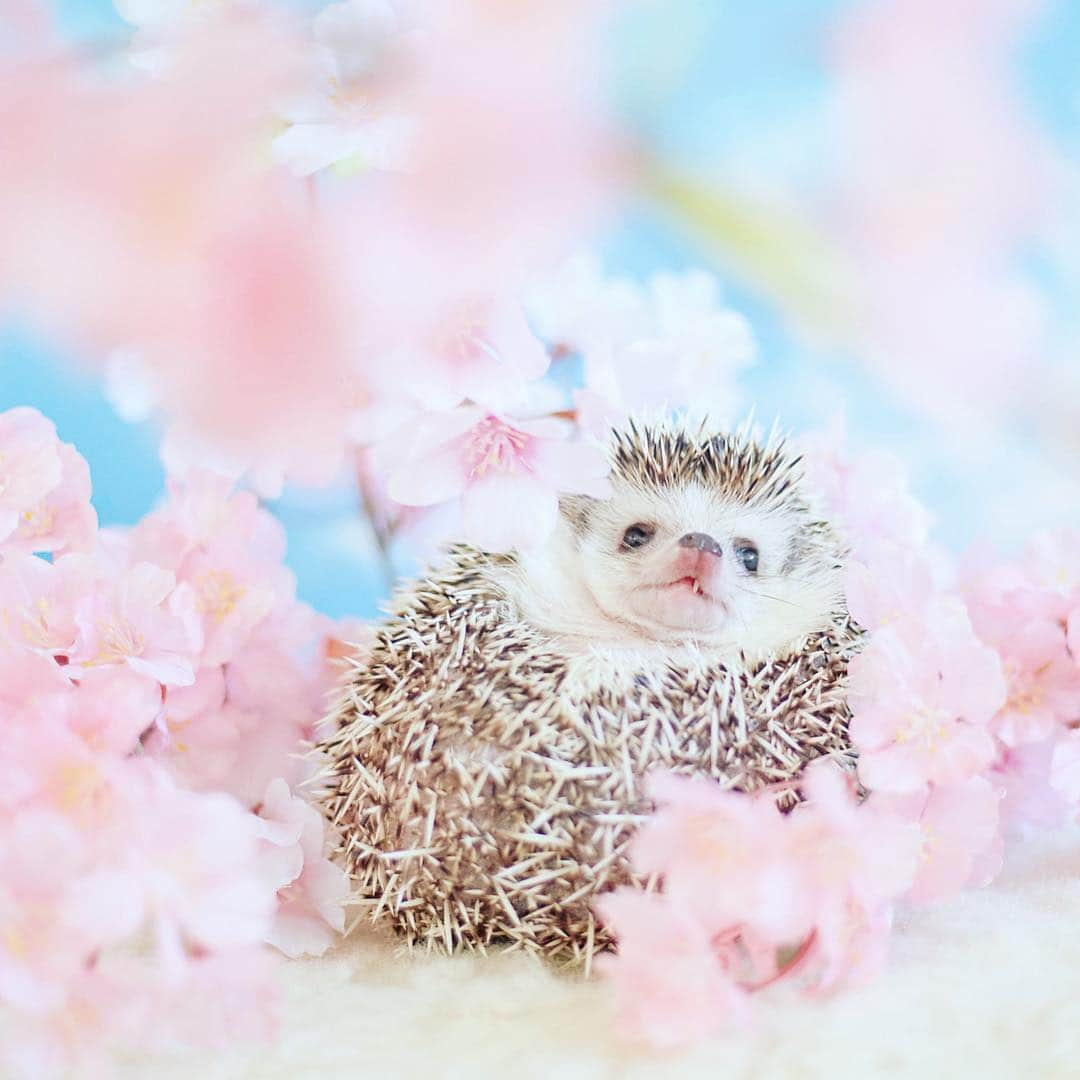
747,554
638,535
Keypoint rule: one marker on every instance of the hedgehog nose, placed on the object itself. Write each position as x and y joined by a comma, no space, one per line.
703,542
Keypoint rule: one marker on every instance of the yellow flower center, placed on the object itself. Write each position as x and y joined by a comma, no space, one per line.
926,726
37,522
77,788
119,640
218,594
494,445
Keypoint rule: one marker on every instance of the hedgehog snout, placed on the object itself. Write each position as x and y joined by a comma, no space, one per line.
703,542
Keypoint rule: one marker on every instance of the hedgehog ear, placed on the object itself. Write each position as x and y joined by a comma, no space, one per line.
577,509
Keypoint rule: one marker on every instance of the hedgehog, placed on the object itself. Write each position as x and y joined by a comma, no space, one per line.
485,766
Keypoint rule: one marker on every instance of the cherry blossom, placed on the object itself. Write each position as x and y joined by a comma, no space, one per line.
39,599
1024,775
670,987
310,888
30,467
866,496
63,520
509,473
191,868
922,696
669,345
959,838
1065,768
137,622
345,120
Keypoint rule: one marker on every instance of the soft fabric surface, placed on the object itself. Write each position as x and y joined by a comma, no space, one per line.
985,985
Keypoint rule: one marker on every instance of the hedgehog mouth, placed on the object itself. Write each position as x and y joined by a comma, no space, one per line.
692,585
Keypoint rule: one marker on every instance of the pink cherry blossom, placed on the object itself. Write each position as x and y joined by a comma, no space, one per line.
38,600
63,520
580,308
30,680
132,622
959,826
702,835
1065,768
113,708
462,336
1052,564
897,582
45,942
865,853
216,1000
1024,776
851,862
922,695
517,185
866,496
310,888
1043,684
670,345
234,750
670,988
938,293
348,118
190,866
509,473
30,467
1026,626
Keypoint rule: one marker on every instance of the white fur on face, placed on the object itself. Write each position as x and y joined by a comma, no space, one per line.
587,584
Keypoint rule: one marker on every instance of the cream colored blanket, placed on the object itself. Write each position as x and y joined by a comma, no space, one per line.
987,985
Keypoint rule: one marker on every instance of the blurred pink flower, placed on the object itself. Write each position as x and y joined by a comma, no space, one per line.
137,621
702,835
1043,683
939,297
1023,776
311,890
29,680
850,863
191,866
670,988
1022,612
671,345
113,708
1052,564
865,495
217,999
516,184
509,473
47,938
849,853
63,520
348,118
580,308
922,695
38,600
1065,769
30,467
441,333
186,248
898,582
959,826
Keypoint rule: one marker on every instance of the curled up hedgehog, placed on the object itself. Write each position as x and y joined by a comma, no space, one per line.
485,767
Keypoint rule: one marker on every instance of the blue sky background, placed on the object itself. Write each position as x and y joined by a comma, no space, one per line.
709,83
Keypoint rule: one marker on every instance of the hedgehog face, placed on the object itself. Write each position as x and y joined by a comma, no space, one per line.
689,562
704,541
